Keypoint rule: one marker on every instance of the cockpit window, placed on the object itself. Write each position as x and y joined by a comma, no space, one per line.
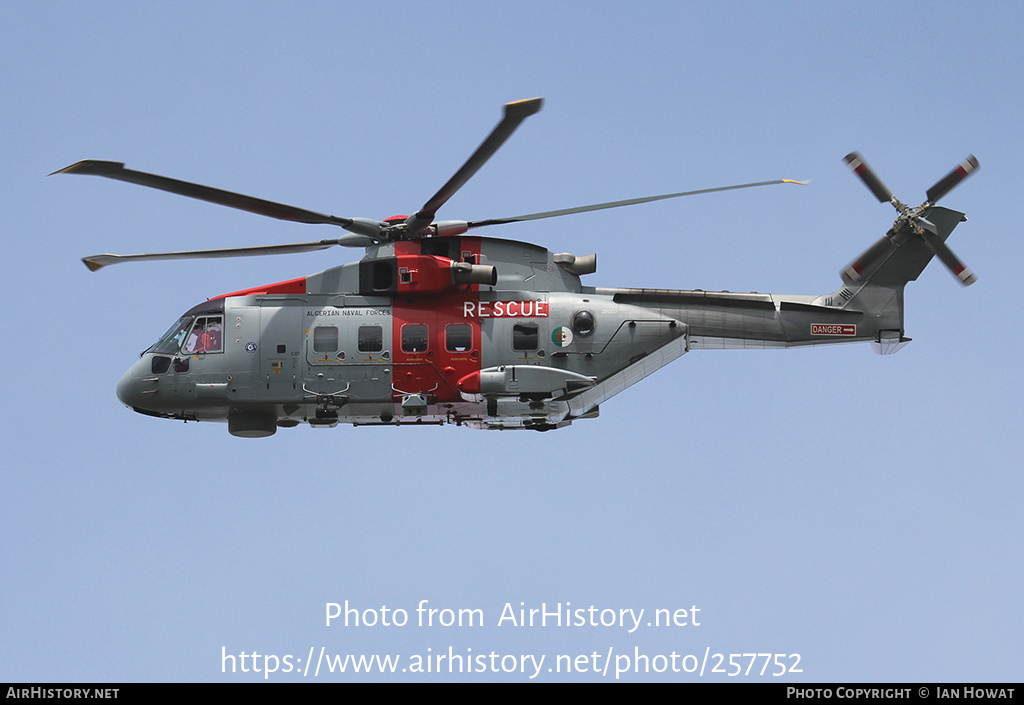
205,336
170,342
210,313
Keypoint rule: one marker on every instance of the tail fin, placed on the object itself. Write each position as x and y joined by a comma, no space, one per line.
874,282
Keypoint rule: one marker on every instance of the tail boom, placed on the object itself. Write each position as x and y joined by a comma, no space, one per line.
868,307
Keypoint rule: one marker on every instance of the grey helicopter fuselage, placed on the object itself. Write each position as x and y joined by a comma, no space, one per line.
396,338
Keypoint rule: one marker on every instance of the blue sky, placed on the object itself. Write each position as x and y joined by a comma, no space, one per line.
860,511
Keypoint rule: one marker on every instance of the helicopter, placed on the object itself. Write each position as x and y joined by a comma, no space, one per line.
436,326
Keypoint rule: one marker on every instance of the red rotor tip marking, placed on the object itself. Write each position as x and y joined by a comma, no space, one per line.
967,166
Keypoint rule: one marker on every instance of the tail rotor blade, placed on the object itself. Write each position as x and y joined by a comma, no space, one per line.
874,184
855,271
964,275
950,180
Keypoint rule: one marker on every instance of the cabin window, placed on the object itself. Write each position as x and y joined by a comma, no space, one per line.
525,336
458,337
205,336
414,338
371,339
325,338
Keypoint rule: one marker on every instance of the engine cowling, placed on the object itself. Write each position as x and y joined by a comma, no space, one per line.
421,274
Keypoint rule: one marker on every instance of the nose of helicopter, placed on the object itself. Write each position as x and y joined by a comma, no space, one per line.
130,388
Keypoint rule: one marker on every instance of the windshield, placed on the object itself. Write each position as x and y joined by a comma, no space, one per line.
206,335
170,342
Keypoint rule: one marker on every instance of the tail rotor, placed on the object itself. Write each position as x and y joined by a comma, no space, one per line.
911,221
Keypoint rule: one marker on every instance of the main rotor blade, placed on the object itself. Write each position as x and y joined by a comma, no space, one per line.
98,261
515,113
874,184
942,251
627,202
948,182
281,211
